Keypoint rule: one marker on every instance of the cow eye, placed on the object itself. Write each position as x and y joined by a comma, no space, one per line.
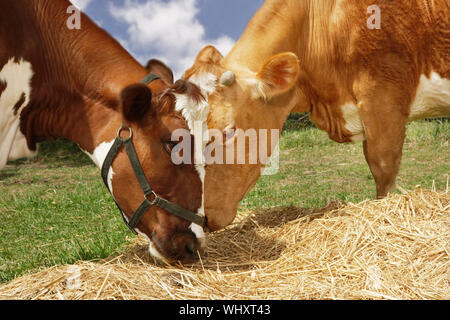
169,146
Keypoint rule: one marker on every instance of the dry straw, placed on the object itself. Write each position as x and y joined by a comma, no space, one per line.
396,248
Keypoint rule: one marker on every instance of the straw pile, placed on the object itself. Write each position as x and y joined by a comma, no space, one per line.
397,248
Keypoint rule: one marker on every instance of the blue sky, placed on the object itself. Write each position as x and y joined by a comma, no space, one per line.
172,30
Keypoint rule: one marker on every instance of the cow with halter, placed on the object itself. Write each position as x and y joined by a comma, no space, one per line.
81,85
324,57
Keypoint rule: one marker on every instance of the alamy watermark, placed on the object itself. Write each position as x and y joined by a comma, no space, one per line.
74,20
374,20
233,147
73,281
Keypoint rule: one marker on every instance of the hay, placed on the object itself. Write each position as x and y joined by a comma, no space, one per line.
397,248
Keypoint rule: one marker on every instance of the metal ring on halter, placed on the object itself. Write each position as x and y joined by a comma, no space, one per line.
153,194
122,128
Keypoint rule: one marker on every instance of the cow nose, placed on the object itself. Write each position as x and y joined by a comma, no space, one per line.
193,250
186,247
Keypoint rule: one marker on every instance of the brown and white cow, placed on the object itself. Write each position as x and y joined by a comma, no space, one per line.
82,85
324,57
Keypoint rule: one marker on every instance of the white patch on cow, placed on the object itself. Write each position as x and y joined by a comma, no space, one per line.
353,121
195,228
99,156
193,112
152,249
432,98
196,115
151,246
258,89
17,76
100,153
20,148
206,82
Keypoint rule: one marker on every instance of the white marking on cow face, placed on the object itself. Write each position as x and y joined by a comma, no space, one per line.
195,228
432,98
152,248
353,121
17,76
206,82
196,115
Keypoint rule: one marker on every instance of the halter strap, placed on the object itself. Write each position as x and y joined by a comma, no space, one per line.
150,78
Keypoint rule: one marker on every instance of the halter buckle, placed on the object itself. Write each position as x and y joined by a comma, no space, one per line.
121,129
152,197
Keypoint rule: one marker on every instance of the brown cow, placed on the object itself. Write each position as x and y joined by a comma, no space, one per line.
358,81
83,86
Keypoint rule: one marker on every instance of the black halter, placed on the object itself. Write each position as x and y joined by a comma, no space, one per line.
151,198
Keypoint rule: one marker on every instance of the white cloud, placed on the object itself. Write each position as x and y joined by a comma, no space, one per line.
81,4
169,28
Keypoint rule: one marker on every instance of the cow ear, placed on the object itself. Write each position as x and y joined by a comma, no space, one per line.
160,69
278,75
135,101
209,55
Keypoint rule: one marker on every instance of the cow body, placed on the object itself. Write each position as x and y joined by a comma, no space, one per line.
81,85
358,83
342,59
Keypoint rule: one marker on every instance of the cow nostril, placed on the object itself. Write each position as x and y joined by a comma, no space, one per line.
192,248
189,250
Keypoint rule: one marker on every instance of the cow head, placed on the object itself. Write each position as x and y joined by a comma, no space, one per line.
240,100
153,120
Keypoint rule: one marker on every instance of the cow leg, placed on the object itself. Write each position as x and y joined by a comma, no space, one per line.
383,146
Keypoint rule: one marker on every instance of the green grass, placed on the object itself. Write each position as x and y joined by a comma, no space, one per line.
55,209
314,169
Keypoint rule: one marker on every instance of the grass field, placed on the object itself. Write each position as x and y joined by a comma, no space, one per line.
55,209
